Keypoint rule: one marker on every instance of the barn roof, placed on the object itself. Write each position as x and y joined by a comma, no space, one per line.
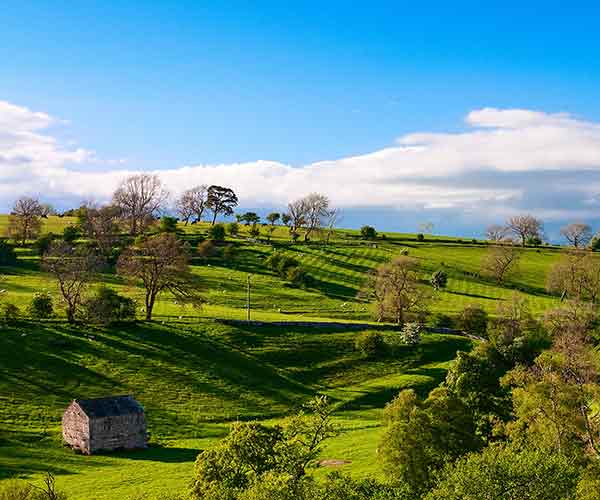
112,406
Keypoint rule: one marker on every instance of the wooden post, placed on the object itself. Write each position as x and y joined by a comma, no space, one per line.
248,300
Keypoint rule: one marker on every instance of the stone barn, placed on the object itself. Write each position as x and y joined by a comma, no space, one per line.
104,424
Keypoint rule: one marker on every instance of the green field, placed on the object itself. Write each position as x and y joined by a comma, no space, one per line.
195,375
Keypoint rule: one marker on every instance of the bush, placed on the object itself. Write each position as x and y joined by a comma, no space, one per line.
298,277
474,320
595,244
411,333
207,249
8,257
439,279
70,234
534,241
281,263
229,253
233,228
370,344
107,306
41,306
42,244
168,225
254,231
443,321
216,232
420,237
10,312
368,232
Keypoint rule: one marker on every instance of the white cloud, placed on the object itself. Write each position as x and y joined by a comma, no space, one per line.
508,160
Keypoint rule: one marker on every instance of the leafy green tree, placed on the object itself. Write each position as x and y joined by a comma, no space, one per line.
70,234
254,231
250,218
368,232
273,217
411,333
43,243
505,473
233,228
221,200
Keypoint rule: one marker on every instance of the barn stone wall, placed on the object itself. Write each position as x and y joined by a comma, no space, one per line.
118,432
75,427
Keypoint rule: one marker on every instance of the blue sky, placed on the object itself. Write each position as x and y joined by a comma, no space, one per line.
157,86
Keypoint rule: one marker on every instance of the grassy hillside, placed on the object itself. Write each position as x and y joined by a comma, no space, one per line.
195,375
193,379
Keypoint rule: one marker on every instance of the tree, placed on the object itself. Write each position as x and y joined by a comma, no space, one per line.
576,276
220,200
577,234
233,228
499,261
216,232
396,290
100,224
503,472
368,232
439,279
249,218
140,198
107,306
524,227
41,306
25,219
331,221
370,343
168,224
74,268
309,213
411,334
273,217
496,233
161,264
192,203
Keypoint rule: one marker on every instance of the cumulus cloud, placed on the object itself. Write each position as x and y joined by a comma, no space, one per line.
507,160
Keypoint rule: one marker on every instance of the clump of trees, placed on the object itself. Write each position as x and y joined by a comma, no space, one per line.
370,344
576,276
368,232
288,269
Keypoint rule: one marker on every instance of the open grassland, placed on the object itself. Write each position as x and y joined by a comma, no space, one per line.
193,379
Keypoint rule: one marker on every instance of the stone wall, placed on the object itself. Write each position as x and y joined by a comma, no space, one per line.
118,432
75,427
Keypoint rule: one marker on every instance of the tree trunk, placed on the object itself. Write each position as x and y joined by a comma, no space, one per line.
149,307
214,218
71,314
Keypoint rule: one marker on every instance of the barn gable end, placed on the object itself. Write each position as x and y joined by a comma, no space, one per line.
105,424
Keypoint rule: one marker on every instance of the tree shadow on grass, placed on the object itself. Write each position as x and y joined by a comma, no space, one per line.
473,295
157,453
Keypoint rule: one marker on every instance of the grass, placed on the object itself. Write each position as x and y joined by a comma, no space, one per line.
193,379
197,375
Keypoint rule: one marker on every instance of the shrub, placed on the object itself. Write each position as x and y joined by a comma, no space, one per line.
8,257
107,306
229,252
474,320
42,244
216,232
281,263
233,228
411,333
70,234
41,306
207,249
368,232
595,244
420,237
404,252
439,279
297,276
443,321
168,224
10,312
370,344
534,241
254,231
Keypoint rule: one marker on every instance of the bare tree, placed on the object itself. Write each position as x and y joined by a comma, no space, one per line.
140,198
577,234
192,203
525,227
25,219
220,200
496,233
74,268
295,217
576,276
317,210
100,224
396,289
499,261
333,219
161,264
